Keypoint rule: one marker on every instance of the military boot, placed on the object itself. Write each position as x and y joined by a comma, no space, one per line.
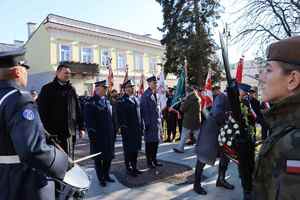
197,183
223,183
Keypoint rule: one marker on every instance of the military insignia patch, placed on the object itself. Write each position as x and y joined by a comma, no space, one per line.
293,166
28,114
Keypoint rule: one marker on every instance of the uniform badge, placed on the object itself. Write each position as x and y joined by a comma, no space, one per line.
28,114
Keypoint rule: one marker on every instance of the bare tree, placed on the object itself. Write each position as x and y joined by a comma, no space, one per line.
263,21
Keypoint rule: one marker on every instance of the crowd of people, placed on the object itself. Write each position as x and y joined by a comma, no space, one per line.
31,125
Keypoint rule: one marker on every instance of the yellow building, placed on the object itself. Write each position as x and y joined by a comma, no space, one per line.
87,47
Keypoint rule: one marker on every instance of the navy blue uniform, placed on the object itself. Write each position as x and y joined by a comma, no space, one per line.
99,124
25,158
131,130
150,116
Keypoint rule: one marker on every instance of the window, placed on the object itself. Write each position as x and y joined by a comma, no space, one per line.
138,61
152,65
105,55
65,53
86,55
121,60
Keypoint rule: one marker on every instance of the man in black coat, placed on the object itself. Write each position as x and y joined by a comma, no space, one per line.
99,124
131,128
60,109
25,158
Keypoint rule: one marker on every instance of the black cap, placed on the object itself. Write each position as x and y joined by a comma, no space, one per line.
129,83
13,58
152,78
102,83
245,87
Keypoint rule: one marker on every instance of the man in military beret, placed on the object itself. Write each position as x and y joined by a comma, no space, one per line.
151,117
131,127
60,110
25,158
99,124
277,171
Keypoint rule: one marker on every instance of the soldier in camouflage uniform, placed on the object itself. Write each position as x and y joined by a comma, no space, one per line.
277,172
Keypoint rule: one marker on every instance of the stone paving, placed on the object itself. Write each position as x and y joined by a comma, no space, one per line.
167,191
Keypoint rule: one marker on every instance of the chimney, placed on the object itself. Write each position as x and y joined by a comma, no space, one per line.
31,28
147,35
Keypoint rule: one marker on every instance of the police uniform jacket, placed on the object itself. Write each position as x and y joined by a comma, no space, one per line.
130,123
277,172
150,116
59,108
25,158
99,124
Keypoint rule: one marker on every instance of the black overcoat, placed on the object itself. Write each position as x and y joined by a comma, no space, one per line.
130,123
99,124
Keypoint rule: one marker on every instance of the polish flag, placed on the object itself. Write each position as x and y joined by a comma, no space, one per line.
126,75
141,88
239,70
293,166
207,95
110,76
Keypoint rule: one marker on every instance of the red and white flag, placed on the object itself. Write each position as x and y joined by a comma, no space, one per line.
110,76
293,166
126,75
239,70
141,88
207,95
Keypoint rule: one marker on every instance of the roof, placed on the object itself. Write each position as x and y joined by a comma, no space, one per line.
7,47
53,19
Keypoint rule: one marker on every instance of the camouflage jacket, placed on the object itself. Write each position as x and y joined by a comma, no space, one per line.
277,171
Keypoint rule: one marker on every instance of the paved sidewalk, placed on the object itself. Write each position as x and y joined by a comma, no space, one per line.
167,191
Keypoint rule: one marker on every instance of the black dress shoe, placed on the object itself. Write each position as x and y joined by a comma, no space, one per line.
158,164
103,183
200,190
110,179
224,184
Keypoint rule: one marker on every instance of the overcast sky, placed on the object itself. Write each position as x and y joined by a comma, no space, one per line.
136,16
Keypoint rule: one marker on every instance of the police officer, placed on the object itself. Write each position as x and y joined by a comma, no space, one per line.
151,118
277,171
25,158
99,124
131,130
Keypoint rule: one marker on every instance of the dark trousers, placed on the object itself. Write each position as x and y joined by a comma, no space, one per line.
102,168
151,151
130,160
180,125
223,165
171,125
246,166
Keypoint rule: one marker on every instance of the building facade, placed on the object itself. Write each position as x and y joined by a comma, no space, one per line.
87,48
